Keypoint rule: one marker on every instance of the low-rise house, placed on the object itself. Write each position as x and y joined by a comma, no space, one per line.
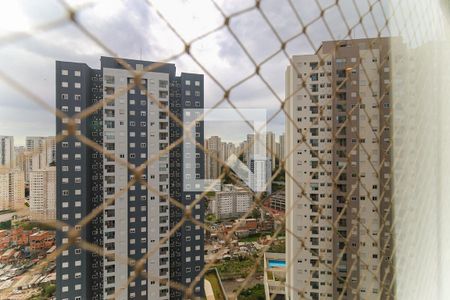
42,240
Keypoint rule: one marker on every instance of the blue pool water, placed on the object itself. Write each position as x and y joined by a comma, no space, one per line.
277,263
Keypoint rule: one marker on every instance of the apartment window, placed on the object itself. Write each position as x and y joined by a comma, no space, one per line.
77,144
77,85
65,96
163,83
197,93
64,72
77,97
77,73
187,93
109,79
65,193
65,288
77,109
77,168
64,84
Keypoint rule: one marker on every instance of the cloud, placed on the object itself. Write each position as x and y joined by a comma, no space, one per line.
133,29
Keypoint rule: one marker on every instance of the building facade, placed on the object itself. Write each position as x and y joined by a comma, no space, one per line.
134,125
282,152
43,194
40,153
232,202
12,189
271,148
338,191
7,151
213,156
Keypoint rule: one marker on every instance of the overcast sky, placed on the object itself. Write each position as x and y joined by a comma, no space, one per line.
132,29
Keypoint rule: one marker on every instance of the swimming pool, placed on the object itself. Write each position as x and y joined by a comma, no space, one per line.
273,263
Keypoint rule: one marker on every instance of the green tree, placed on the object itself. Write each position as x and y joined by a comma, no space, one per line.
5,225
254,293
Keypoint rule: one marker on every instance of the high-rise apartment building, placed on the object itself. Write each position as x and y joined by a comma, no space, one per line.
7,151
43,194
271,148
20,158
338,191
212,157
40,153
134,126
282,152
12,189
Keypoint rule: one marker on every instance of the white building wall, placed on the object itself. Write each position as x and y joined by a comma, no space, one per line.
299,174
158,179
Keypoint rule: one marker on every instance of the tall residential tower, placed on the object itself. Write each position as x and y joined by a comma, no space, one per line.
134,125
338,188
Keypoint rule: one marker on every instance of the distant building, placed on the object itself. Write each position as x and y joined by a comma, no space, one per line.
232,202
43,194
40,153
213,146
7,151
20,159
12,189
282,153
261,174
277,201
271,148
